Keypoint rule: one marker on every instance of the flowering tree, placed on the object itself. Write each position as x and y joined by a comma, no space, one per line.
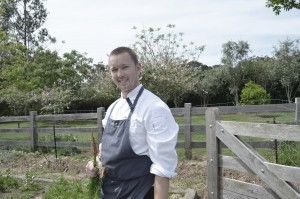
164,57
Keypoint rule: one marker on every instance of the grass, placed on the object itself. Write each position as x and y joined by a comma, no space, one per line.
67,189
15,188
11,187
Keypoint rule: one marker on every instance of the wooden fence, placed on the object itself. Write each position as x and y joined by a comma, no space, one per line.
187,128
35,131
280,180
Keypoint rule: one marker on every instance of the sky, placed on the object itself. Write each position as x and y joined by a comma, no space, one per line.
96,27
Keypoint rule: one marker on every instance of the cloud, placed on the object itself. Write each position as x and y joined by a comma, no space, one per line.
96,27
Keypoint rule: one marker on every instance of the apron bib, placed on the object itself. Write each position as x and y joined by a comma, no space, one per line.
127,175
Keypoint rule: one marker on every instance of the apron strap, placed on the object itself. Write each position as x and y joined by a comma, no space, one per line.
132,106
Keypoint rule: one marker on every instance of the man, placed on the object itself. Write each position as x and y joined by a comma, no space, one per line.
139,139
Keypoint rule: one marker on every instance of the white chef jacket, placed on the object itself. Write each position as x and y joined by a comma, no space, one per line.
153,130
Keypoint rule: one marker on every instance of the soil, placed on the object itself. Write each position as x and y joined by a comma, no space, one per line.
192,174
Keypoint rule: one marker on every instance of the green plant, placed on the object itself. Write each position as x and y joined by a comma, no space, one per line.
289,153
254,94
95,182
66,189
29,183
8,182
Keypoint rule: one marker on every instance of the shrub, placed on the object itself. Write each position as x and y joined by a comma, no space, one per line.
254,94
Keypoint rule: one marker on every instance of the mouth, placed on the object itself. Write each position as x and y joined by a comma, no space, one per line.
122,82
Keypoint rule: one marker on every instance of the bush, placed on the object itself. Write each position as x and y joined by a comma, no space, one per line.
254,94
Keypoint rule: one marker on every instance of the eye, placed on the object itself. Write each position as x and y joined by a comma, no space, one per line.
114,70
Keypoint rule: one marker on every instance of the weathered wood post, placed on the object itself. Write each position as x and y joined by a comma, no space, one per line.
33,132
297,112
100,116
187,130
212,148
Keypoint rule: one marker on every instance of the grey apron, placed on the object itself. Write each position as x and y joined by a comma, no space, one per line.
127,175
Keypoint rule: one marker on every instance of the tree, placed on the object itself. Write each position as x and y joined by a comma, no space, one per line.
55,100
99,91
198,65
23,18
17,100
209,83
279,5
287,66
76,69
13,59
233,54
164,57
260,70
7,10
170,83
254,94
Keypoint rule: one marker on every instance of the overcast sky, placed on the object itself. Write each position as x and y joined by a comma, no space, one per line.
96,27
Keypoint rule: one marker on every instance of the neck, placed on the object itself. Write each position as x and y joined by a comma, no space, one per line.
125,93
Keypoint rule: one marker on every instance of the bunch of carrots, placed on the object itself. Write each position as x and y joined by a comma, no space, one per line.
95,183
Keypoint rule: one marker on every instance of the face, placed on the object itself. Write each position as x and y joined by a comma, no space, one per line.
125,73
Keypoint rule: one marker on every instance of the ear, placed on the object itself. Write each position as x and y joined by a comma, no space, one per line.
138,67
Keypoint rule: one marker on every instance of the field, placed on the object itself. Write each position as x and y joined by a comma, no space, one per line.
40,170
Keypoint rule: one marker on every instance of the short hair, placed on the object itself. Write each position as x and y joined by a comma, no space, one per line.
123,49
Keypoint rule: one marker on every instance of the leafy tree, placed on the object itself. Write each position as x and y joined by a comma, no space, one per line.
7,10
44,73
25,18
13,60
164,57
287,66
209,83
279,5
254,94
76,69
198,65
100,91
55,100
17,100
171,83
233,54
260,70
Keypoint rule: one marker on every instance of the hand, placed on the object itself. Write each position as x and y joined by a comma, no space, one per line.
91,171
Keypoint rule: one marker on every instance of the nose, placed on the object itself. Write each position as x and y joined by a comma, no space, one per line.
120,73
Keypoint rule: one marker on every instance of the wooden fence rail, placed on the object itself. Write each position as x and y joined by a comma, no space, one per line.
187,128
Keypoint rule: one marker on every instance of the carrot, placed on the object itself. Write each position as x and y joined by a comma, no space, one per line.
95,183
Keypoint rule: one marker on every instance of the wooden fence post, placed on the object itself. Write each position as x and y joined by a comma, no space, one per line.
33,132
100,116
187,130
212,148
297,112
